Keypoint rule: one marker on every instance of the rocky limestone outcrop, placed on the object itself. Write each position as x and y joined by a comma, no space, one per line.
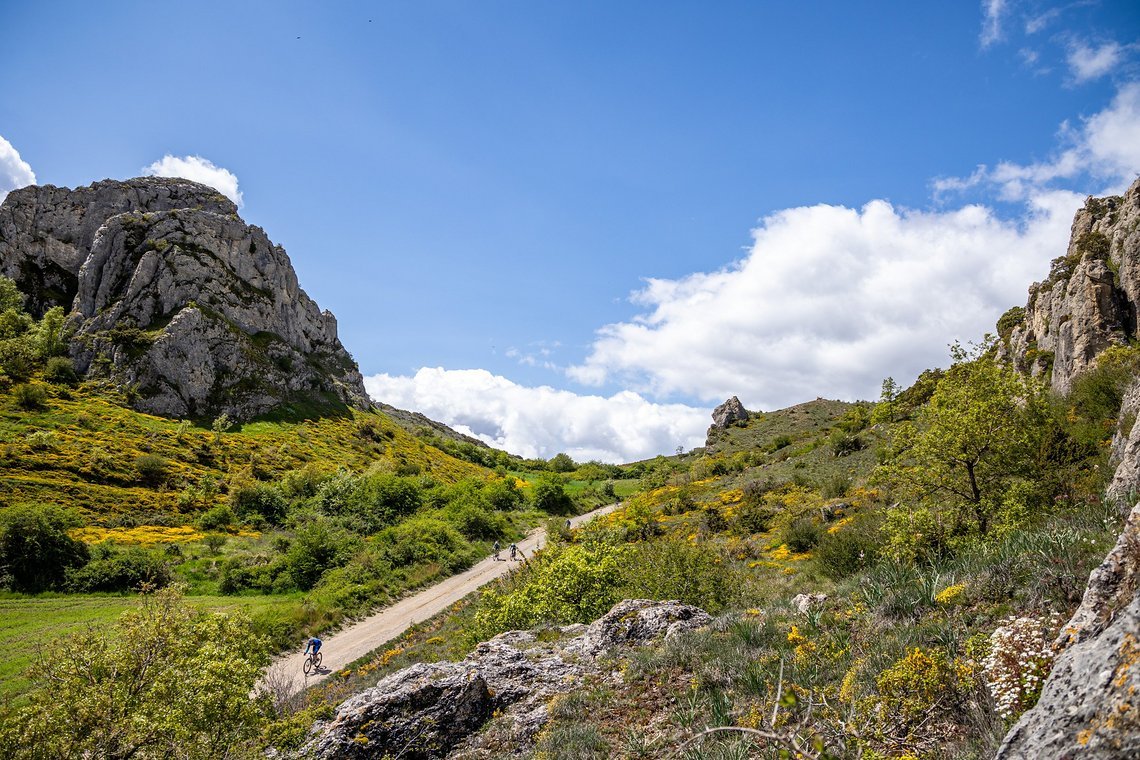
1090,704
725,415
172,294
46,231
1125,483
1089,301
435,710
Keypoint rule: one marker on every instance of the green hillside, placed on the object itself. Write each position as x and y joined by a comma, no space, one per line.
866,505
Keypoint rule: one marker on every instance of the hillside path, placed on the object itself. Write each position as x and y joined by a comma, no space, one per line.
360,638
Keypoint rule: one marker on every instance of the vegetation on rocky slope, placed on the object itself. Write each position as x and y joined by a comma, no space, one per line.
940,589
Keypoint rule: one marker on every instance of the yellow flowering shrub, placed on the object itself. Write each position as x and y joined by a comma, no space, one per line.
142,534
950,594
924,684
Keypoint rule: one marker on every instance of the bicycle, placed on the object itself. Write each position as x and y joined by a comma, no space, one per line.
312,662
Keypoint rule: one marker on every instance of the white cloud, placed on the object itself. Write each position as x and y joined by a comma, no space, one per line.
1105,148
14,171
1035,24
829,301
540,422
197,169
1088,63
992,12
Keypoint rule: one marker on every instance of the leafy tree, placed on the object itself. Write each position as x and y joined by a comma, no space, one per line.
380,499
318,546
550,496
504,494
249,497
10,295
562,463
36,551
166,681
976,439
50,336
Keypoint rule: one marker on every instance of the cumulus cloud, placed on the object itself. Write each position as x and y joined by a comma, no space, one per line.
197,169
830,300
1105,147
1087,63
992,13
14,171
542,421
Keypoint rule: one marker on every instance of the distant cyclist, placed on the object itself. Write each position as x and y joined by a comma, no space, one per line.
497,548
514,552
313,643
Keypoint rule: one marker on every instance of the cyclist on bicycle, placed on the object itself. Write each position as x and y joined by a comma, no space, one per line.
314,643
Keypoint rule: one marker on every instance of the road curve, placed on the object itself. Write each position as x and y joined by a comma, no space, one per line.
285,676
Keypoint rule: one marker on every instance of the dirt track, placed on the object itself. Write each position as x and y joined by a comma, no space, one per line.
360,638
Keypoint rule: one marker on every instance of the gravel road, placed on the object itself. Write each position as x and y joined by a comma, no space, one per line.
285,676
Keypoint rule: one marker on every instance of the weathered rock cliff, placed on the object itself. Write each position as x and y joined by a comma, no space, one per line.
172,294
1089,705
1089,301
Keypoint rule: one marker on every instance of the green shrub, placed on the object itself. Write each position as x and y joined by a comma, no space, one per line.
835,486
250,498
318,546
218,518
36,551
550,496
504,494
566,584
475,521
847,550
802,535
31,397
61,371
844,443
676,569
214,542
165,680
425,539
373,501
561,463
120,570
152,469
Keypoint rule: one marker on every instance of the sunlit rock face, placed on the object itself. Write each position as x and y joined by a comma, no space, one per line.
173,296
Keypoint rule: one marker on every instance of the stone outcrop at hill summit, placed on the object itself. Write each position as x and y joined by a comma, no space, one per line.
728,413
172,294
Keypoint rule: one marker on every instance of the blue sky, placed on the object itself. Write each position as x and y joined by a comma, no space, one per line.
579,226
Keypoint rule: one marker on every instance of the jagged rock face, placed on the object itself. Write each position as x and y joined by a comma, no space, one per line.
1126,448
731,411
46,232
172,293
432,710
1090,299
1090,706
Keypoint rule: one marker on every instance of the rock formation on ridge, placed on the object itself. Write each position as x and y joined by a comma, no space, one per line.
173,295
1089,300
728,413
1089,706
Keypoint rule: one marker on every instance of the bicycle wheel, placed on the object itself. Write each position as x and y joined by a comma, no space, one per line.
308,666
317,659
